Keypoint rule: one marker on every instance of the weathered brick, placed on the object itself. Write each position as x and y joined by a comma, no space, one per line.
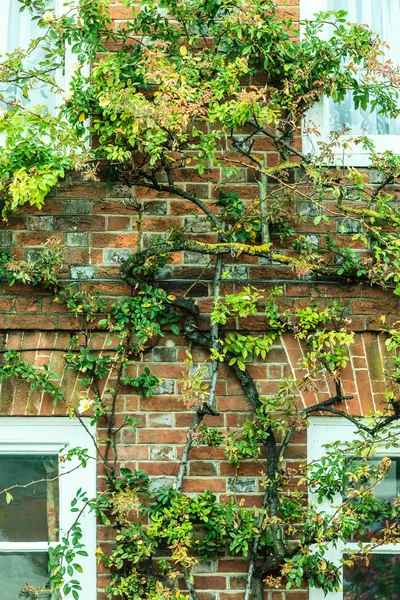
82,272
164,354
41,223
78,206
115,257
241,484
5,239
78,239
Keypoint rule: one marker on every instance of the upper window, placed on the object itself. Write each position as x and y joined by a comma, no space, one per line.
380,578
382,16
37,513
17,29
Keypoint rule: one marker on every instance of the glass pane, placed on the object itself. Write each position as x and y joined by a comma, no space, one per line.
32,515
382,16
379,580
20,570
385,492
17,29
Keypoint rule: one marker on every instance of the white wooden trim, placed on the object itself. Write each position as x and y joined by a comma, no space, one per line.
23,547
27,435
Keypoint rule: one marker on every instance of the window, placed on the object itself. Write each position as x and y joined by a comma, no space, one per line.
39,513
381,578
17,29
382,16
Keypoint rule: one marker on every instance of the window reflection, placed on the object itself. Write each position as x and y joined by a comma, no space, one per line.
377,580
32,516
379,504
19,570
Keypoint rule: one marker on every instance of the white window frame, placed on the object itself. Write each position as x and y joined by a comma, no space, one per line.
319,114
48,435
326,430
64,79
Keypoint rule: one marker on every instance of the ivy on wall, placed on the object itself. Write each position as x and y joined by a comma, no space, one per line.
178,92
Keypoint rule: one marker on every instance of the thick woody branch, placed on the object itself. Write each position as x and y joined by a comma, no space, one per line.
227,248
279,141
209,406
220,248
190,587
275,560
321,406
270,501
197,419
368,213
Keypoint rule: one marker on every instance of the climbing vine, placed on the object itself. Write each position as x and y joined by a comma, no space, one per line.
180,92
172,519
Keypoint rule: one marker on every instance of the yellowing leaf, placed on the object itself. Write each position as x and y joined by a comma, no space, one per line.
323,565
183,50
8,497
81,117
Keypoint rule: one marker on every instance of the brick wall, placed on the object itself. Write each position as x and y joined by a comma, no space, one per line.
99,228
163,423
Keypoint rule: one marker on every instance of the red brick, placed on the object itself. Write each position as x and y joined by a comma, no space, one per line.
114,240
118,223
120,13
161,403
36,238
212,582
83,190
202,468
159,468
233,565
132,452
206,453
162,436
28,305
236,403
28,322
6,305
199,485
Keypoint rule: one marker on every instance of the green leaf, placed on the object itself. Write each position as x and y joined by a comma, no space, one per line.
317,219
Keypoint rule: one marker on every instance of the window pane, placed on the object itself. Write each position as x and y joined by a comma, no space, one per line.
18,569
16,31
386,491
32,515
379,580
382,16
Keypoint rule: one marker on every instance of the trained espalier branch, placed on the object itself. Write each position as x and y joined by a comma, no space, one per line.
179,91
265,535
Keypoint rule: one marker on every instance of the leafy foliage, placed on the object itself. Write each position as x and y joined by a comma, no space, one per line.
177,92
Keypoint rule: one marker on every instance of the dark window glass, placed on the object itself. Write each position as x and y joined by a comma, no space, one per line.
32,515
384,493
377,580
23,570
